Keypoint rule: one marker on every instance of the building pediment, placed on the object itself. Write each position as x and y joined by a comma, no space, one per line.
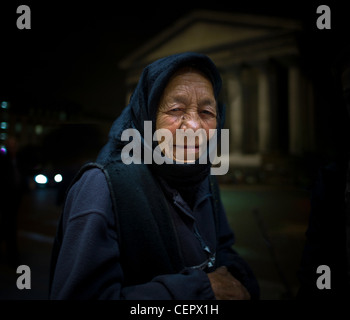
203,37
209,32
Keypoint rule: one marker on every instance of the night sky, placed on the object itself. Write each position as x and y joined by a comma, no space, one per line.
71,51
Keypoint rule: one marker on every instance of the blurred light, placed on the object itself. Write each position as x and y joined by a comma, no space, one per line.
40,179
58,178
38,129
3,150
3,136
4,105
3,125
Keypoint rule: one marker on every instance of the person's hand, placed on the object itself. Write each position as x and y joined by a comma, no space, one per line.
227,287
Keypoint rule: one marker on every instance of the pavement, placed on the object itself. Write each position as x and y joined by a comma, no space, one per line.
37,223
269,223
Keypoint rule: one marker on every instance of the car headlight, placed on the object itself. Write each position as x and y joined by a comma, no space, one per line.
58,178
40,179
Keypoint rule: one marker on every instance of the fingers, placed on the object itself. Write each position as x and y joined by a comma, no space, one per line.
240,290
226,286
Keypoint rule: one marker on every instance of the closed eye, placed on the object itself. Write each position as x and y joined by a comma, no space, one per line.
175,110
208,113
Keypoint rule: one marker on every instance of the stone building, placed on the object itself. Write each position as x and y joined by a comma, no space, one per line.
268,98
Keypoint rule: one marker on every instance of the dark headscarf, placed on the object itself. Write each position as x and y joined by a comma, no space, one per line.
143,106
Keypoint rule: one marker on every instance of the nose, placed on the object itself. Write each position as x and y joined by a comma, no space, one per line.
191,121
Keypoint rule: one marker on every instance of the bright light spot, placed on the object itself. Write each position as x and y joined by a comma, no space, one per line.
38,129
58,178
3,150
4,105
41,179
3,125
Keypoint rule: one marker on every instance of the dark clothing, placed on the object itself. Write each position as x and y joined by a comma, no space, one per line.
89,261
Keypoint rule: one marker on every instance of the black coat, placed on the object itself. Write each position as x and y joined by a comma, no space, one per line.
89,264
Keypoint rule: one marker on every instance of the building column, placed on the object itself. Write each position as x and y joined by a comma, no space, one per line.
235,104
264,110
294,105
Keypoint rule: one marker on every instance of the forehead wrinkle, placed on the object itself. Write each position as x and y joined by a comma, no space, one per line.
180,98
181,89
206,101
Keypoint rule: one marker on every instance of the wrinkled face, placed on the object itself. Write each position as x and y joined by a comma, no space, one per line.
187,102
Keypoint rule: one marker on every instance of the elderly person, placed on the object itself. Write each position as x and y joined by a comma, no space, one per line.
148,230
